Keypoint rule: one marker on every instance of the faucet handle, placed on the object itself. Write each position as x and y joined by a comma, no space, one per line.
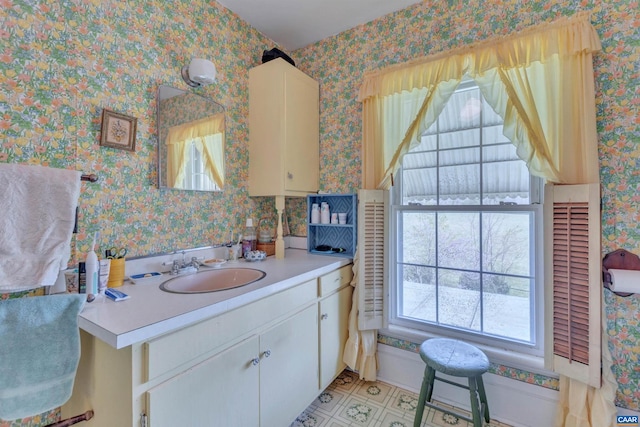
175,265
175,268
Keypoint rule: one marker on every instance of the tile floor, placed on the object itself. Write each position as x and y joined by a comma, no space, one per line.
350,402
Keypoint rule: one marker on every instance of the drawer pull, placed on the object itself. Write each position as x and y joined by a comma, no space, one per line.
255,361
267,353
325,316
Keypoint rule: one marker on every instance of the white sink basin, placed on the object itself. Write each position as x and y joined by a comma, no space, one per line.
212,280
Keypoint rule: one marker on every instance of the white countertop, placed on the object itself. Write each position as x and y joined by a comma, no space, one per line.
151,312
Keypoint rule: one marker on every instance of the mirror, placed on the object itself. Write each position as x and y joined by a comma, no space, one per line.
191,140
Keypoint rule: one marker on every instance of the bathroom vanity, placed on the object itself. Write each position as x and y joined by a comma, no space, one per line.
251,356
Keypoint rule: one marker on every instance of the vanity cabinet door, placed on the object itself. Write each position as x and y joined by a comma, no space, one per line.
334,332
289,368
221,391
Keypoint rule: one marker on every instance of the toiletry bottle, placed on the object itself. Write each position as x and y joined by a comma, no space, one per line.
103,275
248,238
82,278
315,214
92,269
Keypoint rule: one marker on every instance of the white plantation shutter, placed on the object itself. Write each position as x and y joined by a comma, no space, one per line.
573,281
372,229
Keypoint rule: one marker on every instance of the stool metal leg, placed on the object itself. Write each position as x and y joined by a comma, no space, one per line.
483,398
426,385
431,376
475,409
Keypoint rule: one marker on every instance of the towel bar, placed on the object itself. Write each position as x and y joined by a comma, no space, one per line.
91,177
73,420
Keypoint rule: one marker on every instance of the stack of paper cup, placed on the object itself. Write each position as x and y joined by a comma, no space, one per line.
315,214
325,215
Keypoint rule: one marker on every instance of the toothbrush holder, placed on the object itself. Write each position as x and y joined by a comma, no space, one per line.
116,273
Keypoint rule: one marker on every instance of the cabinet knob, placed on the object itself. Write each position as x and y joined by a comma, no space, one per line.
325,316
267,353
289,175
255,361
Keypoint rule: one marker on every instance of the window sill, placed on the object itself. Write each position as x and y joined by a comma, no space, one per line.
500,356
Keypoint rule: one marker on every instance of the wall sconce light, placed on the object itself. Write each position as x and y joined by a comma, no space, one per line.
200,72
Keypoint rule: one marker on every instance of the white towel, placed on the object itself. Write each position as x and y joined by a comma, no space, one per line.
36,223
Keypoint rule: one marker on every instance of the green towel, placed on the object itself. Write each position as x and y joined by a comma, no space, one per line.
39,353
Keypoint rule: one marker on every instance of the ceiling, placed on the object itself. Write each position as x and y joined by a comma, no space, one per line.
293,24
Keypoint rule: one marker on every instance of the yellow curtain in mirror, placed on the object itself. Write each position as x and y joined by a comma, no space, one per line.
207,135
540,81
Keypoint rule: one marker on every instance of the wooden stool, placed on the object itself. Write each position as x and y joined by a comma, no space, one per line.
458,359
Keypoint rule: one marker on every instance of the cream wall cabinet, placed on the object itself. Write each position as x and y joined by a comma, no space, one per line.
283,131
233,369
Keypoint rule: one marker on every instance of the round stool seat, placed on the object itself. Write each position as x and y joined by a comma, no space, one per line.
453,357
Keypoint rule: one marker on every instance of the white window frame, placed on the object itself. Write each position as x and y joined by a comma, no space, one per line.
518,354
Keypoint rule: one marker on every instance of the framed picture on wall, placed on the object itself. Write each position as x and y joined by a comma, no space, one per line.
118,130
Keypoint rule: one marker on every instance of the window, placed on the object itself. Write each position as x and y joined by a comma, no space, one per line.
465,218
195,173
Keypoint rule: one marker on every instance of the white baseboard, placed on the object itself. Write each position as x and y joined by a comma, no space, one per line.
510,401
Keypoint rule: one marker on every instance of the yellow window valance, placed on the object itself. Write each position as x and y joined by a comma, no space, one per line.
540,81
566,36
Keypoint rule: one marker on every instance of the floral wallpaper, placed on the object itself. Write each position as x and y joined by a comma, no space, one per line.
62,62
434,26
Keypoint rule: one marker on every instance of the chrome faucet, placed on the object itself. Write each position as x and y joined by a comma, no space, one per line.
181,267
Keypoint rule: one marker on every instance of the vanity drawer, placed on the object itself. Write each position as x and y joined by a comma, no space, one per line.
177,348
335,280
